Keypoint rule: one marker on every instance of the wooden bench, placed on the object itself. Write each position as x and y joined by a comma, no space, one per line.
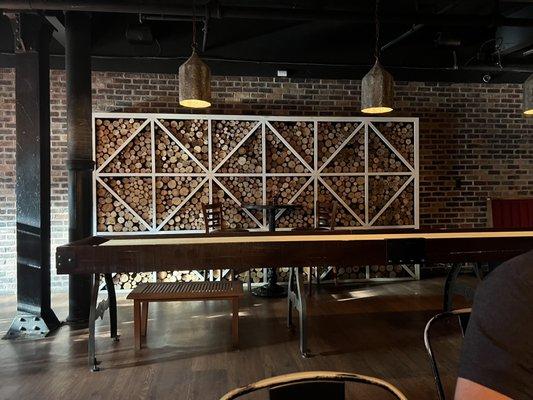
182,291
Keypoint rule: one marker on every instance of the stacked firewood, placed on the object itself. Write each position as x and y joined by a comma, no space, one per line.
179,276
193,135
351,189
381,158
401,136
136,192
299,135
351,158
246,191
123,280
401,210
135,157
281,189
112,216
111,134
226,136
171,192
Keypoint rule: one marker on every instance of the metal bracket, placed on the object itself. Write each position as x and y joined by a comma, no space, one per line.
101,308
14,19
30,326
296,299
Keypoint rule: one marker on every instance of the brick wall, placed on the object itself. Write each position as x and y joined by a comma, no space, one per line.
474,141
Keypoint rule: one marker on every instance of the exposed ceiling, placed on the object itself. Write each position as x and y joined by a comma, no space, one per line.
436,40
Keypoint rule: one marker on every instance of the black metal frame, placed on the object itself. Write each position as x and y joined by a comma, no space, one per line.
98,310
312,377
453,287
463,316
35,317
296,299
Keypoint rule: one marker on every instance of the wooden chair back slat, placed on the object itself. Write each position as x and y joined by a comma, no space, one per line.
326,214
212,217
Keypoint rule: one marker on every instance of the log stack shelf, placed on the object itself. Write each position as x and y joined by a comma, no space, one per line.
154,172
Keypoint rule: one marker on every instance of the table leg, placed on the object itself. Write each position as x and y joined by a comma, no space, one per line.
271,288
112,306
297,299
235,322
93,362
449,286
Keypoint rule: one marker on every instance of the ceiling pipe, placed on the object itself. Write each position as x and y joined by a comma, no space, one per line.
416,28
167,7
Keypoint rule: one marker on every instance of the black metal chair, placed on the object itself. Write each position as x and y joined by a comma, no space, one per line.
311,385
463,316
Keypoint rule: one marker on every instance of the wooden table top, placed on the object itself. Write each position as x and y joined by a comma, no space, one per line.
284,238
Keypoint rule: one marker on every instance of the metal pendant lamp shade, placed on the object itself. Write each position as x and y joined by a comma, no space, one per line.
194,83
528,96
377,91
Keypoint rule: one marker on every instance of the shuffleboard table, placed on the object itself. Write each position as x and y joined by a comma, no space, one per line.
104,255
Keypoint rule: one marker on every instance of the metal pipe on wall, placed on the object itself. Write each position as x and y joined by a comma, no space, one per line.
80,160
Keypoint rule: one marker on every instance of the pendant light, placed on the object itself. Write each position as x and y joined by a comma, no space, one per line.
377,86
194,77
528,96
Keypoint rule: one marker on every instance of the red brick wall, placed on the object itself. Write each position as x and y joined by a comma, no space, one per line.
474,141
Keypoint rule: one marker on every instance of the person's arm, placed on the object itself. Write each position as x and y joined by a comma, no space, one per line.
468,390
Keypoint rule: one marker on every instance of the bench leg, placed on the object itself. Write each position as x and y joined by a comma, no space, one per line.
137,324
144,318
235,322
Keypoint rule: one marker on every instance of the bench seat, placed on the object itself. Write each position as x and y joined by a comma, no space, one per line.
182,291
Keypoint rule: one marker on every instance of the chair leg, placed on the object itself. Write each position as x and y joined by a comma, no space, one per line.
137,324
310,292
235,322
249,280
144,318
334,270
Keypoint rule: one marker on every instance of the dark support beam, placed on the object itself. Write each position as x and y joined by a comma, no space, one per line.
289,13
59,29
34,317
80,164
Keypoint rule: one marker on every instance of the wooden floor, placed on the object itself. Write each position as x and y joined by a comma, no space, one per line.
373,330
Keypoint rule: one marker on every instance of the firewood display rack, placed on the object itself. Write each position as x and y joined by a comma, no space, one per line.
154,172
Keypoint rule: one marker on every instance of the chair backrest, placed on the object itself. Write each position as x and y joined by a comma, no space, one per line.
463,316
326,214
510,213
212,217
296,384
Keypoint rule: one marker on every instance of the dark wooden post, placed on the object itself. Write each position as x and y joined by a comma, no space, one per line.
34,315
80,159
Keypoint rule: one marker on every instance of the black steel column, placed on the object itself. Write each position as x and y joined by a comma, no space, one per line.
34,316
80,163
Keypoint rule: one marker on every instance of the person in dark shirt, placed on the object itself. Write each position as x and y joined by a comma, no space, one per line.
497,354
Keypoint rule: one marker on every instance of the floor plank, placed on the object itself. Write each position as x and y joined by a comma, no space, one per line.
369,329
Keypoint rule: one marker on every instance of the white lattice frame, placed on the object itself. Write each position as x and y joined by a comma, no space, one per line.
210,174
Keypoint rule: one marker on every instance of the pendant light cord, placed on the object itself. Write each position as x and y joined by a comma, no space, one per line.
193,45
376,21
